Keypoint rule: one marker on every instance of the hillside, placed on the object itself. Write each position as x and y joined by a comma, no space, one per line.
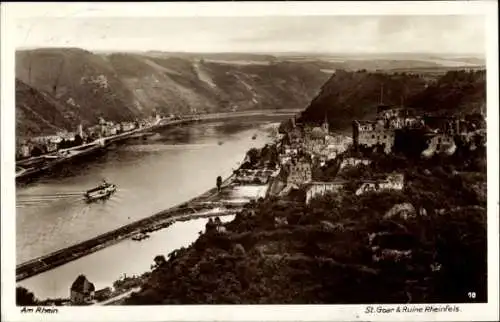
123,86
456,92
81,79
341,246
355,95
39,113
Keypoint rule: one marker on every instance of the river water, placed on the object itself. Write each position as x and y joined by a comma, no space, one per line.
108,265
166,169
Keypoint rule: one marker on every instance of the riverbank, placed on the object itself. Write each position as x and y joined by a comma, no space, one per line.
32,168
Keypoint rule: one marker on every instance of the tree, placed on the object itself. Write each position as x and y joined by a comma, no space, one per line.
24,297
36,151
62,145
158,261
78,140
219,183
253,155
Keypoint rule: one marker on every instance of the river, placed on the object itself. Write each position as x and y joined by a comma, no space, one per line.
152,175
108,265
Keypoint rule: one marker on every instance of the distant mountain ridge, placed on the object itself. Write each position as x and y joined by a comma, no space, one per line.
123,86
81,86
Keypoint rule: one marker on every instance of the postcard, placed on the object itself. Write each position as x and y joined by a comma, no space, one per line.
247,161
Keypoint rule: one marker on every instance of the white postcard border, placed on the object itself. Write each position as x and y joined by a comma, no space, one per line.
12,11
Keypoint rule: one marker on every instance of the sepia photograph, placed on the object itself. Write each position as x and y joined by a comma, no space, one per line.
168,159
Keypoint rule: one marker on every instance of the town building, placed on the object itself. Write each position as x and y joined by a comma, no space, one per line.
402,130
108,128
127,126
442,124
398,117
440,143
371,137
82,291
24,150
48,143
335,145
285,159
352,162
295,136
380,133
290,151
67,136
315,189
392,182
300,171
247,176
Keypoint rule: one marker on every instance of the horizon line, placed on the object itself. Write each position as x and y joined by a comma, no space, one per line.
482,55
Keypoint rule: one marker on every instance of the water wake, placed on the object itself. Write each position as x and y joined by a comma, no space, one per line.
40,200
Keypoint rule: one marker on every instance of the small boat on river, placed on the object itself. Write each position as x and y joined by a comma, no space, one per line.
103,191
140,236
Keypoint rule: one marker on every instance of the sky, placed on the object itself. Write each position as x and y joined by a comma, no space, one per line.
322,34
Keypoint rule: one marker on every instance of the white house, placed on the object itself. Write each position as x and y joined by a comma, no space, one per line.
440,143
354,162
321,188
291,151
284,159
127,126
392,182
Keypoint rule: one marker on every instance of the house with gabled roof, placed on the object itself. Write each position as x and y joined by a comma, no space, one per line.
82,291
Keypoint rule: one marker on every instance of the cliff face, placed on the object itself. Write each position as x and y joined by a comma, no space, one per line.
123,86
355,95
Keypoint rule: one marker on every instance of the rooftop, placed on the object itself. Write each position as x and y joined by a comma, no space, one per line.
79,284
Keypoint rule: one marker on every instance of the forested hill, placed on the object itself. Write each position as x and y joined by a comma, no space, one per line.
355,95
456,92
